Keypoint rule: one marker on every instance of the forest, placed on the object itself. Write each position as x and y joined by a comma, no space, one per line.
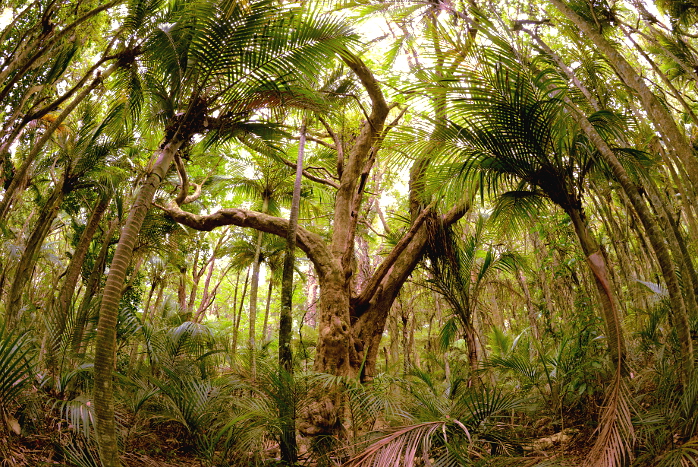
357,233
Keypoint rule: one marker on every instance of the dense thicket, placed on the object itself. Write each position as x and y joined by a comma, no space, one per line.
493,205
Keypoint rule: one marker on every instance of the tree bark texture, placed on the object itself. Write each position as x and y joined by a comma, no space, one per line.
105,345
72,273
27,262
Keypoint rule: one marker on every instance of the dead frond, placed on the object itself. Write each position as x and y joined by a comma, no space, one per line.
616,435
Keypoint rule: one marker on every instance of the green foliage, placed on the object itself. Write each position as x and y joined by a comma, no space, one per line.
449,424
16,366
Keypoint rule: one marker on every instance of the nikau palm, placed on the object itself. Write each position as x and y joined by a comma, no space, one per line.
514,130
209,67
462,268
521,139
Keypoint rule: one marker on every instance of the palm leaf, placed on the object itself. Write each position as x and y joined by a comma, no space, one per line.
16,365
615,433
405,447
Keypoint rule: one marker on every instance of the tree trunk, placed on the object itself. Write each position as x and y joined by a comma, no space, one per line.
182,290
470,335
597,264
289,449
675,140
254,287
90,290
72,273
267,308
657,241
27,262
21,173
237,318
105,345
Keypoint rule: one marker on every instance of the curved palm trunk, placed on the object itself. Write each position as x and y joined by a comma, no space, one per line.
597,264
657,241
651,227
105,345
26,263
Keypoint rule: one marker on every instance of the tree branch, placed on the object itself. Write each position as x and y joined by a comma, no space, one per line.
311,243
310,176
372,284
338,143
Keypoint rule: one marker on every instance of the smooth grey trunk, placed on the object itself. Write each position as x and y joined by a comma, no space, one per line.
254,288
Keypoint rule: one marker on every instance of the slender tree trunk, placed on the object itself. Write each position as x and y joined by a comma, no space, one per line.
182,290
674,138
531,311
26,263
254,287
72,273
657,240
470,335
105,347
207,295
90,290
238,318
21,174
289,449
196,273
597,264
267,308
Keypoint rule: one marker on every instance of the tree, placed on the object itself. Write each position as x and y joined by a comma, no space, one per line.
512,132
210,67
351,321
461,267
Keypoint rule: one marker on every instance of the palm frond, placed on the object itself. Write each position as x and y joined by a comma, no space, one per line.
405,447
615,433
16,365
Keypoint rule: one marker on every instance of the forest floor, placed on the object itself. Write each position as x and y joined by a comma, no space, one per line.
42,451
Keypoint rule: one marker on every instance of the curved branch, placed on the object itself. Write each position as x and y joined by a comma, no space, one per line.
310,176
184,180
377,277
311,243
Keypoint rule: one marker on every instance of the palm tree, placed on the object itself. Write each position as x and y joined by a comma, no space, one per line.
515,131
461,268
515,135
84,155
209,66
270,187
